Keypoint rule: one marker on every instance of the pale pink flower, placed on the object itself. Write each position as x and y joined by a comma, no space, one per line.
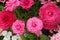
18,27
12,4
2,1
34,25
26,4
44,1
49,13
48,1
58,0
56,37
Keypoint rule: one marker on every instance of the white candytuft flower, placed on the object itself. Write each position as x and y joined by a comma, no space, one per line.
9,33
16,37
6,38
4,33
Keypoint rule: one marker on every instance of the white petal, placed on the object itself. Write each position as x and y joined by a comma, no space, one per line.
9,33
14,37
18,37
6,38
4,33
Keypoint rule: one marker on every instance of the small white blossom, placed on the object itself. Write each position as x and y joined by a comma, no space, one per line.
16,37
6,38
4,33
19,38
9,33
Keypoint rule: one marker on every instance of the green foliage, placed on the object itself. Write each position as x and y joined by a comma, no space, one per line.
31,36
1,37
1,7
23,37
58,4
44,37
25,14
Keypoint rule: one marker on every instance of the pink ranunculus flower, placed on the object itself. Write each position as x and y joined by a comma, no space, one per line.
34,25
12,5
18,27
6,19
26,4
49,13
55,37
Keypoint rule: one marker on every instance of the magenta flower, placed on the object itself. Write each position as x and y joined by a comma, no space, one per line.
49,13
26,4
6,19
12,5
34,25
18,27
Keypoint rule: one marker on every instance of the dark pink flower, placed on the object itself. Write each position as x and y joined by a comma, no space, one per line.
26,4
6,19
49,14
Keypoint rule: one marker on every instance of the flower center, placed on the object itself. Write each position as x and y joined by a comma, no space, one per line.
18,27
5,19
34,24
50,13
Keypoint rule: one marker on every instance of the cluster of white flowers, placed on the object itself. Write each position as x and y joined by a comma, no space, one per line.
9,36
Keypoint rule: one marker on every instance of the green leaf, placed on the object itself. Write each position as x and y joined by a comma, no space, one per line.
31,36
1,8
1,37
44,37
23,37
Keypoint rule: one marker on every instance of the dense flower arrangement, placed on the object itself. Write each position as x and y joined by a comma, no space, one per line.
29,20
